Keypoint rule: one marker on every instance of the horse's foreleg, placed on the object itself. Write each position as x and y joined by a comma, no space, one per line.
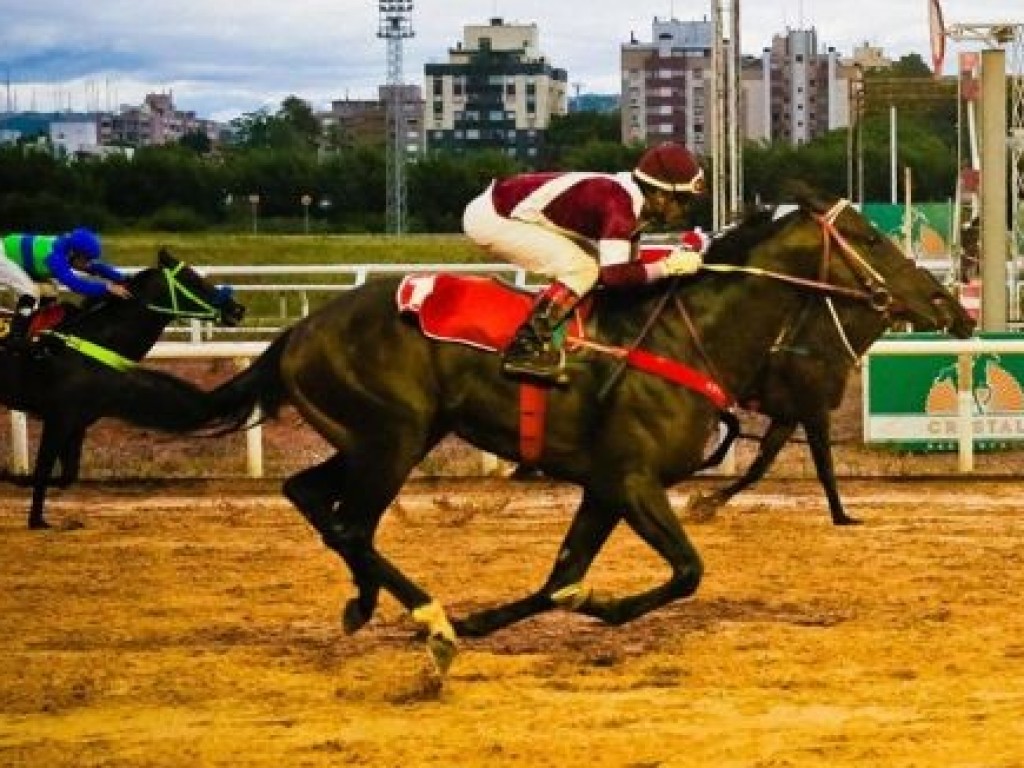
704,506
51,440
588,532
648,512
818,429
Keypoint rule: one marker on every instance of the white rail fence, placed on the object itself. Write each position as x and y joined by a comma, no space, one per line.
199,347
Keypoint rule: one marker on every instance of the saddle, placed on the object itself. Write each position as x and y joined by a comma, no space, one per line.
44,319
480,312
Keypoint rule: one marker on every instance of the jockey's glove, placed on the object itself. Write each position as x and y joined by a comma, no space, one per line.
682,261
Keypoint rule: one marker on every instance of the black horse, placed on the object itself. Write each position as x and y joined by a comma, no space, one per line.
60,381
384,395
804,380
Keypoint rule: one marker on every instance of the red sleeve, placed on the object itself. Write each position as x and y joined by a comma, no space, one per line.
619,275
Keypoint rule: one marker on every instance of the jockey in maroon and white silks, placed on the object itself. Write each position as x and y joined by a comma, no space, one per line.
580,229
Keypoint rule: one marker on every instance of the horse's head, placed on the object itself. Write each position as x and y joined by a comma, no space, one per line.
893,284
175,288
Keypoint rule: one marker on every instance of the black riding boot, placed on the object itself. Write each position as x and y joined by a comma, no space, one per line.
532,351
18,334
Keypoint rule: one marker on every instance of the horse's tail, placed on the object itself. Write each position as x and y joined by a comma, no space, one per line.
258,386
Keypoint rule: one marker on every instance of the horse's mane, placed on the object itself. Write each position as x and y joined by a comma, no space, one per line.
735,244
75,311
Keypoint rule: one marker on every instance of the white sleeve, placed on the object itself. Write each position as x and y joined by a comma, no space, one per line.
611,252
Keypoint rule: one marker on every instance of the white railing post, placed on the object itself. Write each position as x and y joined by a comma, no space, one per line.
253,435
19,444
965,411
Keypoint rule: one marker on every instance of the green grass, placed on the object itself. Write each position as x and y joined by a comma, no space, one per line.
265,308
134,250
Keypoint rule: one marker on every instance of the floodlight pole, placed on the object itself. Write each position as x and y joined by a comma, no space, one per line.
395,26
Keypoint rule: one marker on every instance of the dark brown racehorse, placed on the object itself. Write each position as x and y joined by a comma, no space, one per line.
368,380
68,389
804,380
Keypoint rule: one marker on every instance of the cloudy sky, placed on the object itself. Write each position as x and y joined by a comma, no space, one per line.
225,57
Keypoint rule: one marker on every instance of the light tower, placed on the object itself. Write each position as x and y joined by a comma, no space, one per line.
395,26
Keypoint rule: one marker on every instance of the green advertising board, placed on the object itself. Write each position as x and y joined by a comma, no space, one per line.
911,401
930,226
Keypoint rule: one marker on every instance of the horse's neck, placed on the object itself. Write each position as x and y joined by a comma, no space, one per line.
712,324
125,327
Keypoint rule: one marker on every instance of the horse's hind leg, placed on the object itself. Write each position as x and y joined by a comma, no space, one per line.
647,511
703,507
70,457
588,532
344,498
317,493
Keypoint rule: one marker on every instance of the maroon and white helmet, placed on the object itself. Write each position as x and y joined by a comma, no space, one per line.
671,167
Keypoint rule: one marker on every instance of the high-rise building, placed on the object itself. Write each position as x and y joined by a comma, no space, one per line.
497,91
793,92
352,122
666,85
796,93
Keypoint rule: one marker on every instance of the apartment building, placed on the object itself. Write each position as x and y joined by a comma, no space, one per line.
496,91
793,92
796,92
353,122
667,86
155,122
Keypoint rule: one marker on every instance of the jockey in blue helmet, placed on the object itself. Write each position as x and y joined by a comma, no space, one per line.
26,260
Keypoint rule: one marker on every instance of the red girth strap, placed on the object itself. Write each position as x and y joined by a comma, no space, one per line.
676,372
533,401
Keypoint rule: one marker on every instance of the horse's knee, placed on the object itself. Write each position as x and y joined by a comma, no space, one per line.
686,580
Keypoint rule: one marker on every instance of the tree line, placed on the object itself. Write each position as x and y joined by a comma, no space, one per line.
304,180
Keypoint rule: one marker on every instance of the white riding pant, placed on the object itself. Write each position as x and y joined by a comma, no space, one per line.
16,278
533,247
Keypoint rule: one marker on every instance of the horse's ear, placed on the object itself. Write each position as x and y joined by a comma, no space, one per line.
805,195
165,259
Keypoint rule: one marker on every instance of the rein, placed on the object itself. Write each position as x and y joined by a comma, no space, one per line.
875,293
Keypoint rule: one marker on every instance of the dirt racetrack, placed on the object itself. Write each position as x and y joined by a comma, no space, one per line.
197,625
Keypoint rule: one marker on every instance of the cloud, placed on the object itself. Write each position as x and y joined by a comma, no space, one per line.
221,58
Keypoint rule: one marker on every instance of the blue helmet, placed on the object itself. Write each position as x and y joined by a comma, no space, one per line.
83,242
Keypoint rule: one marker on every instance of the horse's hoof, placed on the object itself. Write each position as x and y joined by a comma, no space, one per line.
38,524
442,651
846,520
469,628
353,619
702,508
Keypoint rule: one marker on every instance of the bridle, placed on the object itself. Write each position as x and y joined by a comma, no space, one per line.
178,294
872,290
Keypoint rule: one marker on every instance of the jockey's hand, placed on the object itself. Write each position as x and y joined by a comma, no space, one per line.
695,240
682,261
121,291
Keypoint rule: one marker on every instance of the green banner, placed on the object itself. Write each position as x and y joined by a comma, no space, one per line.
930,226
912,400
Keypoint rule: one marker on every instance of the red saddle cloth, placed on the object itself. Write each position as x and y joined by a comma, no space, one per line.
44,319
482,312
